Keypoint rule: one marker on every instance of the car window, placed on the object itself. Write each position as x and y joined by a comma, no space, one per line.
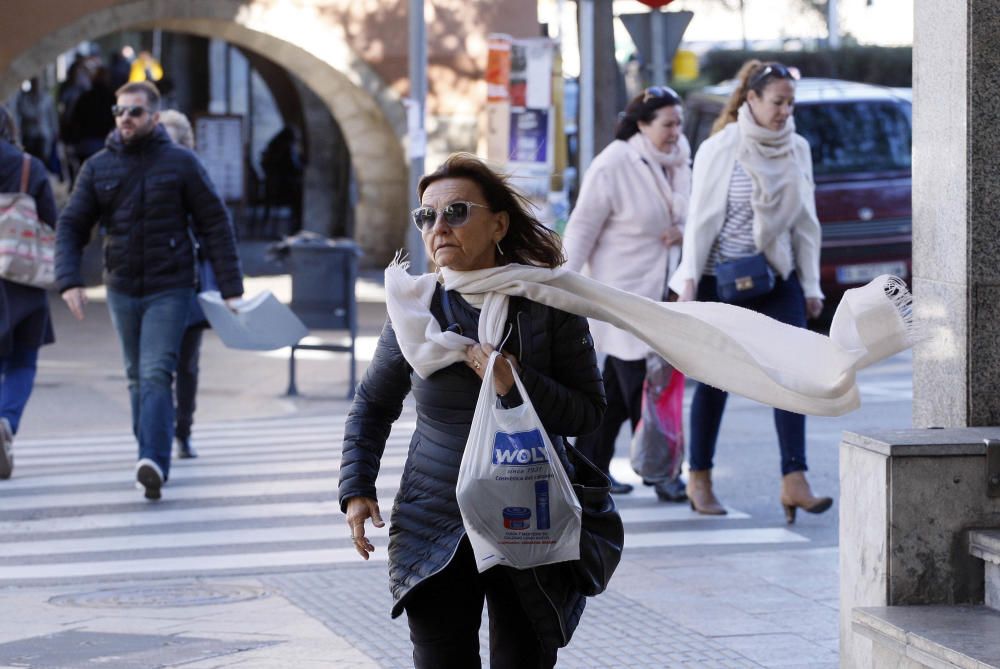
857,136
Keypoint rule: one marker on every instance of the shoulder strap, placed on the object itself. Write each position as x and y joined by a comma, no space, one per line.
25,172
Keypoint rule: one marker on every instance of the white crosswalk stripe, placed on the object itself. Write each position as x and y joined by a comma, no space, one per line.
261,496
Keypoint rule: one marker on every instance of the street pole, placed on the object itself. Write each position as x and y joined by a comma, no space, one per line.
416,134
586,85
832,24
659,73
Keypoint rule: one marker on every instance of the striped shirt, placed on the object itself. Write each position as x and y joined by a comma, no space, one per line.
735,239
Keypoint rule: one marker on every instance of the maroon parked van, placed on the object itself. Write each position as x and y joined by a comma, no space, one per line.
860,138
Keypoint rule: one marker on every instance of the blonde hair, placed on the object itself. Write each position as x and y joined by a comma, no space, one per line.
748,71
178,127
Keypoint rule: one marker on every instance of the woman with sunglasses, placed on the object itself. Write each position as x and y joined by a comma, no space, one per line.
471,222
753,201
627,226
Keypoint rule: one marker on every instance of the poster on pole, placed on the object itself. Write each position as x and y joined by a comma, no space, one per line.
530,151
219,144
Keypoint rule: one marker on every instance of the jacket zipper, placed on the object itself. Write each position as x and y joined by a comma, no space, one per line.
562,628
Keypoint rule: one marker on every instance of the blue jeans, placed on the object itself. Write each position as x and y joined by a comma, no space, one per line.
150,329
786,303
17,378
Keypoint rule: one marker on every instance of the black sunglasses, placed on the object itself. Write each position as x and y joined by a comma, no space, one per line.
455,215
135,111
775,70
659,92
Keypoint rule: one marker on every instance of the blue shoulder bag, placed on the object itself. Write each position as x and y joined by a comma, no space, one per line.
743,279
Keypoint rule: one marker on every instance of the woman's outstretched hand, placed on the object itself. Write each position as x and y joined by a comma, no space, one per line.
477,357
360,509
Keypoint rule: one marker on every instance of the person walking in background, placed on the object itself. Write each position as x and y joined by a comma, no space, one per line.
281,161
149,192
469,219
89,117
178,127
627,225
25,325
754,196
38,121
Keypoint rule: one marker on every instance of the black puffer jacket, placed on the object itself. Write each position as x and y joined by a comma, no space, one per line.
147,248
559,370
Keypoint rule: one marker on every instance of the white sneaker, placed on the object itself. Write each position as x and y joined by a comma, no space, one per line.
6,449
149,475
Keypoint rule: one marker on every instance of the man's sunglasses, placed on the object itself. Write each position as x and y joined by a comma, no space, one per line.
455,215
659,92
775,70
135,111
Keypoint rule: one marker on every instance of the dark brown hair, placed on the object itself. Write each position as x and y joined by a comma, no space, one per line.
527,241
8,126
643,107
150,89
744,77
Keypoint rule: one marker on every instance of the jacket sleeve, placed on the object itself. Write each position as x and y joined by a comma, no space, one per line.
377,404
592,210
695,220
213,227
571,400
73,229
807,234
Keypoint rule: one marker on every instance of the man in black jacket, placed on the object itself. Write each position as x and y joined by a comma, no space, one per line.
146,191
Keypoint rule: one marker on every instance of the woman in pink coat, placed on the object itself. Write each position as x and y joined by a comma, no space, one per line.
627,227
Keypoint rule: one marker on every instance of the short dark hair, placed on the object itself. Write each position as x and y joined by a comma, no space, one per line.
528,241
147,87
643,107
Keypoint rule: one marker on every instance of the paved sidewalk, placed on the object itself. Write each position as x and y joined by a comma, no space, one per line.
693,606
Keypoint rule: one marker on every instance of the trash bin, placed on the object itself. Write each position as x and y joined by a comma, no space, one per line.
324,272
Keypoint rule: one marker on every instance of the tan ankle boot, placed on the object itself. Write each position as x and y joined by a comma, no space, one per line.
796,494
699,490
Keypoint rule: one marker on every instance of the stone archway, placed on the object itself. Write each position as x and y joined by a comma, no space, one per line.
306,43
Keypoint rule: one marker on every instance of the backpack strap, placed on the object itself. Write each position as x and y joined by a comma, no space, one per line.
25,172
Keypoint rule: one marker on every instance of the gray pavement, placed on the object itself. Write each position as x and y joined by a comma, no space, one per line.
246,563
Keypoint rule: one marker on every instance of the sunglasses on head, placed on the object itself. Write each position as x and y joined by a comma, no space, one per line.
659,92
455,215
775,70
134,111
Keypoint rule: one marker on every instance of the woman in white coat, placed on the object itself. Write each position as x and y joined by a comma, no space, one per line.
627,226
753,196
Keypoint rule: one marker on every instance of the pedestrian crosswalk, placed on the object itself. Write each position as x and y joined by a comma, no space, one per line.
262,496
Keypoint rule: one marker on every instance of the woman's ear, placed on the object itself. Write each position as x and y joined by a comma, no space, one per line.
752,96
503,224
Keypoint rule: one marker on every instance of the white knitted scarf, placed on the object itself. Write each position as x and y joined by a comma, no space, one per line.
768,156
723,345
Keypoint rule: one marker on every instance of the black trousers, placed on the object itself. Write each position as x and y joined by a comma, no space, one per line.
445,612
623,387
186,386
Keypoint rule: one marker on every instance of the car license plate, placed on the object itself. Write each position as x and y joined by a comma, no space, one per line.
848,274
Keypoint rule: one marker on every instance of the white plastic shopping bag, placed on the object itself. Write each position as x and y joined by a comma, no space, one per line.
517,502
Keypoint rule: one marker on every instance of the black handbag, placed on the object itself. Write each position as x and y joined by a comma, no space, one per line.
602,534
743,279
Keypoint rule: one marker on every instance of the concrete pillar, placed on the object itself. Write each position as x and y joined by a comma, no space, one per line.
956,213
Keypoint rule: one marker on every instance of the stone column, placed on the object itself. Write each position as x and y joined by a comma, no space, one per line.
956,212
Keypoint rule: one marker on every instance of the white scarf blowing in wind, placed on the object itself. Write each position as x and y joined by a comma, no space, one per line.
723,345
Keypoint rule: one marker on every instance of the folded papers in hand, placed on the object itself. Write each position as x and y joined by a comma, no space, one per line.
259,323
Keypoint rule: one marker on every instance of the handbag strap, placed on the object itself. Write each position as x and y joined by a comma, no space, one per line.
25,172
